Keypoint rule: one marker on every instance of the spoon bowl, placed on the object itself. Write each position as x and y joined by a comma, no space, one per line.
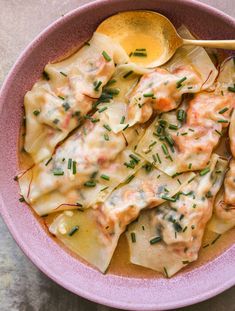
149,38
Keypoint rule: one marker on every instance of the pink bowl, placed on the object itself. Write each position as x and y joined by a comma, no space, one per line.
116,291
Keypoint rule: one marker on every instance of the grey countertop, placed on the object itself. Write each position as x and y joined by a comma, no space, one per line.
22,286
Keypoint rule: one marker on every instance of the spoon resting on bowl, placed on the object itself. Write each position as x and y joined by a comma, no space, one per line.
149,38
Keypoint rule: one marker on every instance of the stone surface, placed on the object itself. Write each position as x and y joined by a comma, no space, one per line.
22,286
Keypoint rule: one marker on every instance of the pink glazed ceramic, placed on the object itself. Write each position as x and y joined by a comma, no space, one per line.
116,291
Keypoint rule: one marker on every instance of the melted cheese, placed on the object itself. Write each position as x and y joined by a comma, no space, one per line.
176,227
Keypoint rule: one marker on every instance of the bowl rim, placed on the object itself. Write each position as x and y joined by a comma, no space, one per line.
7,219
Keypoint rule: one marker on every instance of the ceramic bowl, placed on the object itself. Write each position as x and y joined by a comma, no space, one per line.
112,290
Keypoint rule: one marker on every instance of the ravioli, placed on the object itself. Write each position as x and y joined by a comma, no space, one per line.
169,237
224,209
83,233
190,70
55,105
84,169
184,139
104,224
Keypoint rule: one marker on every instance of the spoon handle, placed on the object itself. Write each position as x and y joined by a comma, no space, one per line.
219,44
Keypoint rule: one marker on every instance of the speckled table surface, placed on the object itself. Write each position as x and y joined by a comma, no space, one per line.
22,286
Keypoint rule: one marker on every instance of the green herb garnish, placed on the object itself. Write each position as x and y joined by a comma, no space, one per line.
106,56
155,240
73,230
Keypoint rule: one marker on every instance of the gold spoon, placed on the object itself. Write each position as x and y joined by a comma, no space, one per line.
149,38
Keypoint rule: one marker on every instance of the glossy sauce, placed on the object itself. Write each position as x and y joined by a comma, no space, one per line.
120,264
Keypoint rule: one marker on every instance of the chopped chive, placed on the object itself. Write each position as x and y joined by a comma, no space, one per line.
97,85
155,240
148,95
129,165
73,230
133,237
74,167
134,158
222,121
61,97
143,228
140,54
58,172
48,161
173,127
106,56
105,188
21,199
142,49
93,120
163,123
45,75
102,109
179,181
165,197
165,271
216,239
105,177
110,82
90,183
169,140
190,180
107,127
56,121
159,160
185,262
223,110
130,54
181,115
125,127
152,144
66,106
127,74
185,133
94,174
112,91
164,149
106,137
154,158
190,166
63,74
69,164
218,171
205,245
185,228
129,179
36,112
191,130
231,89
179,83
205,171
122,120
